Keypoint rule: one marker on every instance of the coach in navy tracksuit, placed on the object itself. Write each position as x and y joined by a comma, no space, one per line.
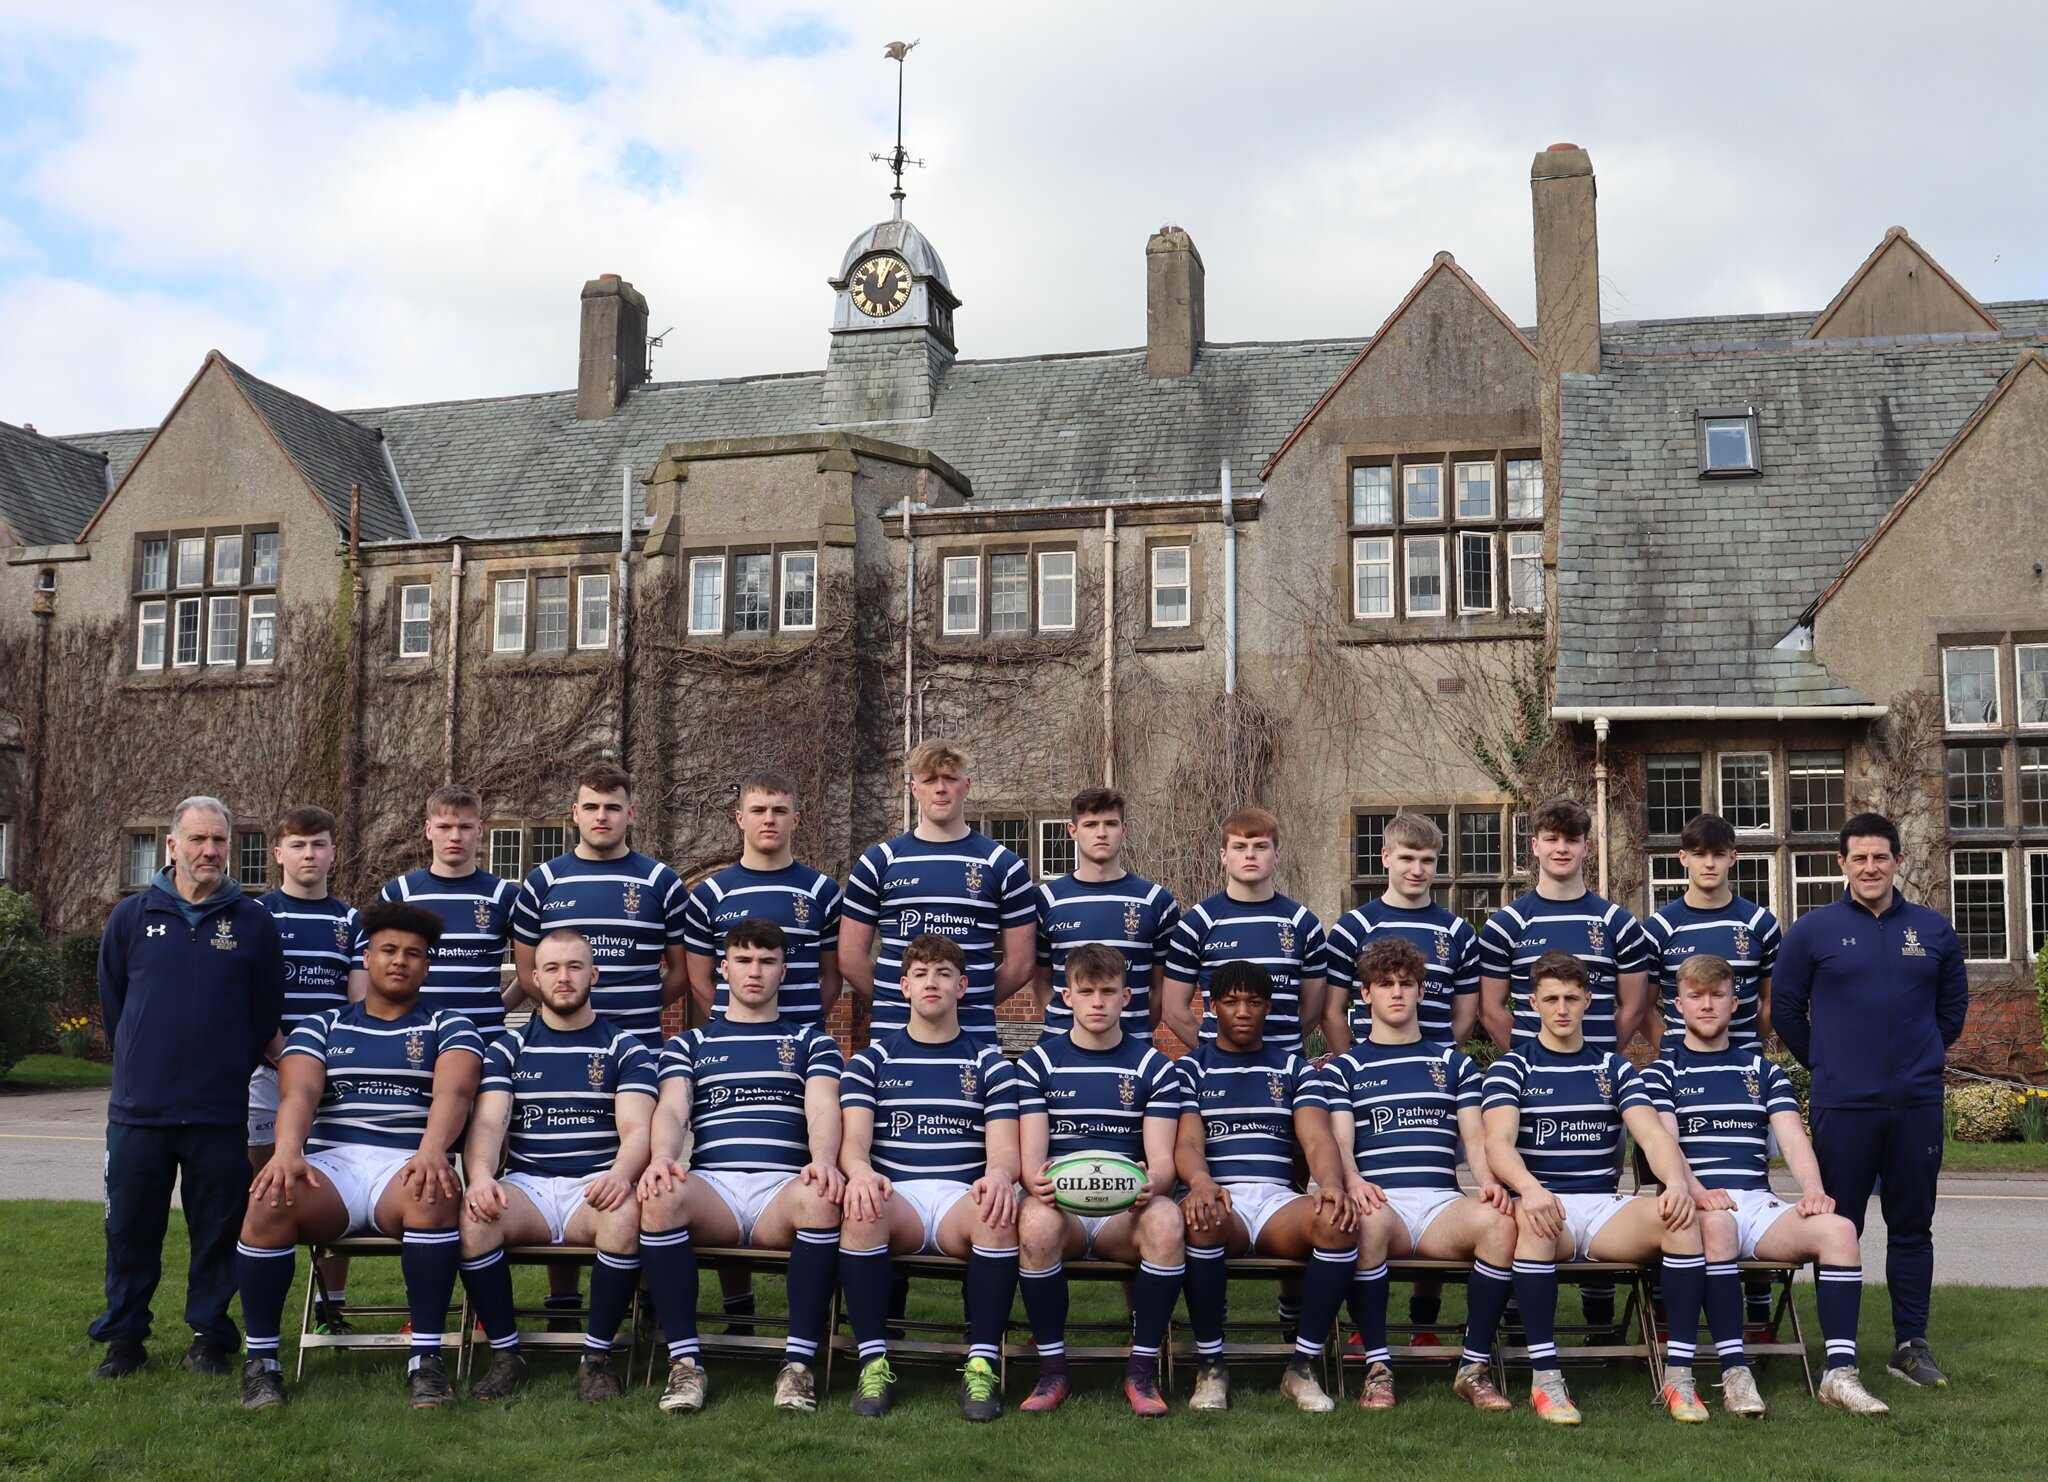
191,989
1869,993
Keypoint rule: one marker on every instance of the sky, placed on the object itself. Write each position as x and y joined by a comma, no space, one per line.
375,201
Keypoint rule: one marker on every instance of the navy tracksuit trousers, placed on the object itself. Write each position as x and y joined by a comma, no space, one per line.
1896,1150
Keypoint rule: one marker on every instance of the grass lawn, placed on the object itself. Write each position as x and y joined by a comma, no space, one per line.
55,1073
1994,1157
348,1419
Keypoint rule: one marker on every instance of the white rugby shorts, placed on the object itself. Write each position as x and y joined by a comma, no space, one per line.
745,1192
360,1175
1418,1208
263,1106
1756,1210
557,1199
1257,1203
1586,1214
933,1199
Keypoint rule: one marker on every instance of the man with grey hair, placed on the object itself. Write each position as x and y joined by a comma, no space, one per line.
191,977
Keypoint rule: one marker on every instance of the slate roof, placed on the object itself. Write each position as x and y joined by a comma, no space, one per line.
48,488
1674,589
333,453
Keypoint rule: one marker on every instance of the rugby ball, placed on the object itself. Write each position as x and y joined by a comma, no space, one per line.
1096,1183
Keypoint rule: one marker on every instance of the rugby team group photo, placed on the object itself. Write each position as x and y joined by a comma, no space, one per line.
473,1066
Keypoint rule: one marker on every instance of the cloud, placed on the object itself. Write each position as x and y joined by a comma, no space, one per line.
375,203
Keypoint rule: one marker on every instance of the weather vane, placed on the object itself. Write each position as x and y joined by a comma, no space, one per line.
897,158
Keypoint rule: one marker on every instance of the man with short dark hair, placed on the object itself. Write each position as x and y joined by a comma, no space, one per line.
191,979
475,907
1869,994
1101,901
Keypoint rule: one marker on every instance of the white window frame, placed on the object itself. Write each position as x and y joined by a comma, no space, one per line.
257,576
1665,869
160,620
423,622
1997,720
162,583
1832,878
194,545
1508,466
2035,905
1721,761
1409,481
1185,586
2019,702
568,634
505,588
6,838
1531,555
790,559
1022,578
129,839
215,657
197,607
1460,471
953,572
714,566
2004,879
1409,545
1769,859
1359,482
1050,580
1053,832
1360,562
223,543
732,598
1492,574
518,837
262,609
593,593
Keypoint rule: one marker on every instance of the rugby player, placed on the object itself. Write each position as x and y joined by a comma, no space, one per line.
1554,1110
945,878
928,1143
370,1098
1249,1104
569,1095
475,908
1096,1089
1101,901
1405,1105
1722,1100
760,1094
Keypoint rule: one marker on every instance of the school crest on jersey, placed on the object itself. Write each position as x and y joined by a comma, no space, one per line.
1132,919
223,935
785,1051
1443,948
341,933
969,1081
1742,939
1596,936
974,878
1287,937
596,1072
800,909
483,915
1910,948
1276,1087
1127,1091
1603,1082
630,899
1438,1074
416,1048
1751,1083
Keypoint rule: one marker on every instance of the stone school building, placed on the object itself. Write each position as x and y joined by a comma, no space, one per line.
1780,566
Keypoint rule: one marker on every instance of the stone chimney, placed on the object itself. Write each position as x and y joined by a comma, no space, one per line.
1567,260
612,348
1173,303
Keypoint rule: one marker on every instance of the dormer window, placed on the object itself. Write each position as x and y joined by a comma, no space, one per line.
1727,442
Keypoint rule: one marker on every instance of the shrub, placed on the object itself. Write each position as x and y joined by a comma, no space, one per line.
1979,1112
1800,1077
29,979
2030,1111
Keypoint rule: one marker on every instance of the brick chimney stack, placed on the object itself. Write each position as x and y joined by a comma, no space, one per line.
1173,303
612,348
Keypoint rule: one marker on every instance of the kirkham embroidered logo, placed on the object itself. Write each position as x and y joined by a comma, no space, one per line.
969,1081
785,1051
1443,947
630,899
416,1048
1596,936
1911,946
1127,1091
1742,940
974,879
483,915
1438,1074
224,935
1287,937
1603,1082
341,933
1132,919
596,1071
800,908
1276,1087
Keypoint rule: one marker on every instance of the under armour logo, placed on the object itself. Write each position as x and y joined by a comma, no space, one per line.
156,931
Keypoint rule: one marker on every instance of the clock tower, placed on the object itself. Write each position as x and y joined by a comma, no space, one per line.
892,328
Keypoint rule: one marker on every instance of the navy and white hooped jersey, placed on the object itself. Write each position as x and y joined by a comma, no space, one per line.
323,943
747,1085
1599,933
1098,1101
631,911
1404,1102
804,903
1742,932
1571,1108
932,1104
1450,960
1723,1101
1279,935
1130,914
565,1085
476,928
1247,1104
380,1072
968,890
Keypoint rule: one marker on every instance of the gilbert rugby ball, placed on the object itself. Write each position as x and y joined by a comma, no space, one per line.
1096,1183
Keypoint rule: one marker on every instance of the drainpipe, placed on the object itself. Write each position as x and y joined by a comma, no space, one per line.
352,761
449,725
1109,646
1229,587
1600,728
909,645
625,576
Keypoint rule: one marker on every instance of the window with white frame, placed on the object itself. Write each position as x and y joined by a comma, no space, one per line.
1424,483
594,611
1816,792
1667,880
1472,484
1009,592
262,630
1671,794
192,561
1977,901
517,848
1970,687
962,576
1055,591
1055,848
1525,571
263,558
1746,791
149,635
415,621
1478,870
153,564
1423,556
1525,488
707,595
508,631
753,592
2035,862
2033,762
799,591
1014,834
2031,662
1754,877
185,636
229,617
506,857
1372,577
252,860
1475,572
1976,787
545,841
1372,494
142,855
1172,587
1816,881
551,614
227,560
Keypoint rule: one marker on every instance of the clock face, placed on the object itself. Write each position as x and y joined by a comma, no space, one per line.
880,286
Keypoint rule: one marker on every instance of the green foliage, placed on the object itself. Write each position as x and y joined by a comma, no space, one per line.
1482,1050
2041,988
1800,1077
2030,1114
30,978
1980,1112
1507,749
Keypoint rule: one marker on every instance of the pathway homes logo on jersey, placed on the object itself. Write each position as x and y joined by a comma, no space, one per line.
630,899
416,1048
224,935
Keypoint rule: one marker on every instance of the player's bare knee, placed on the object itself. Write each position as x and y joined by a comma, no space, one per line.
662,1213
863,1234
618,1230
1041,1233
479,1238
1837,1241
1162,1235
268,1229
1684,1242
1375,1236
1324,1234
1718,1235
1496,1242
